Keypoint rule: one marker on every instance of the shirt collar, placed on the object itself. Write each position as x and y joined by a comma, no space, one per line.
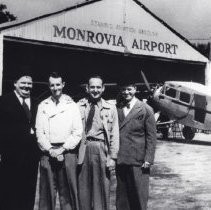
21,98
132,102
55,101
63,99
98,103
104,104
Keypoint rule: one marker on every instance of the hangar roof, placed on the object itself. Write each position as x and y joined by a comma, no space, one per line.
124,26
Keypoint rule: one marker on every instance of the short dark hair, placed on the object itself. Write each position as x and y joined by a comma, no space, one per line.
95,76
22,72
126,82
55,74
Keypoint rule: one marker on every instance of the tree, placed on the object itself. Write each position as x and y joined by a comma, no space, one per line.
5,15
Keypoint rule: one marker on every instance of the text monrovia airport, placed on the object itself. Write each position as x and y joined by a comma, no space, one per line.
100,38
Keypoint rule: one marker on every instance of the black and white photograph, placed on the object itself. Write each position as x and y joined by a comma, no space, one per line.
105,105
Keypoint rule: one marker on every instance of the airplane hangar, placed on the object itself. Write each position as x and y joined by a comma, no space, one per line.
115,39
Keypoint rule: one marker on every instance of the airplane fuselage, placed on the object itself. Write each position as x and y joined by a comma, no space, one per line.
186,102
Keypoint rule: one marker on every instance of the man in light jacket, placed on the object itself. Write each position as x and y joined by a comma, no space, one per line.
59,131
98,148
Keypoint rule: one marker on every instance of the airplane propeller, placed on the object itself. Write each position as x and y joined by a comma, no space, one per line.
146,82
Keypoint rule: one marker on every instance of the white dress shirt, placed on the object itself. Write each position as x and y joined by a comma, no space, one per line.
128,108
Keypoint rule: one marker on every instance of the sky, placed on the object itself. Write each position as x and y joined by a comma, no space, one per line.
191,18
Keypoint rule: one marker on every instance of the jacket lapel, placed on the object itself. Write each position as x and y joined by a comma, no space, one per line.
17,105
34,106
133,112
84,111
103,116
120,115
50,110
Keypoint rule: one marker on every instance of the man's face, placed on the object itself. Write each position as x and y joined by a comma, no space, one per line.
56,86
128,92
23,86
95,88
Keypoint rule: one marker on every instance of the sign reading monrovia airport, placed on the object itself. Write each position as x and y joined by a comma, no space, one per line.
100,38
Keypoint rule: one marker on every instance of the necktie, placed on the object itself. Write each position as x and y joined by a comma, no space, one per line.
57,101
26,109
90,118
127,105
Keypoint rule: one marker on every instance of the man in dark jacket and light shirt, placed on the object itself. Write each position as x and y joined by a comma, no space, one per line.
18,146
137,149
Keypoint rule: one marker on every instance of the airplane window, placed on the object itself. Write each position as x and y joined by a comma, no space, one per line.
185,97
171,92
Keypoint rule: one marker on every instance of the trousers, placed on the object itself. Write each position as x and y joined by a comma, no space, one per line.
94,178
132,187
18,180
58,177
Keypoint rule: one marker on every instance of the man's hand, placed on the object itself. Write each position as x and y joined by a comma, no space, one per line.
111,164
146,165
56,152
52,152
59,151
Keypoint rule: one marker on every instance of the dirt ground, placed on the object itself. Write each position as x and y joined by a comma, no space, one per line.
181,176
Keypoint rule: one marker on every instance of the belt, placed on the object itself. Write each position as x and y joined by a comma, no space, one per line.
94,139
57,145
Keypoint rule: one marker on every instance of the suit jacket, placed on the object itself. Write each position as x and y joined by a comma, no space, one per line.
15,129
137,135
110,123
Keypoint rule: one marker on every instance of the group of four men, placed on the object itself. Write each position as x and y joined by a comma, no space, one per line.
80,145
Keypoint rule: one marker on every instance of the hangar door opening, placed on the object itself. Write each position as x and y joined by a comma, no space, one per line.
76,64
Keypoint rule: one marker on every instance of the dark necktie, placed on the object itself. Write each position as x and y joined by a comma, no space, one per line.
128,105
26,109
90,118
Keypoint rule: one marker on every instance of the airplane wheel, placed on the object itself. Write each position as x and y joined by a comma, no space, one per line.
188,133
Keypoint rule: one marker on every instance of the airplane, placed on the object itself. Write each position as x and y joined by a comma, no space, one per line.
186,103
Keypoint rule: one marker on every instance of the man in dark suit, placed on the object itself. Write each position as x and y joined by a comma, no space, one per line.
137,148
19,151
